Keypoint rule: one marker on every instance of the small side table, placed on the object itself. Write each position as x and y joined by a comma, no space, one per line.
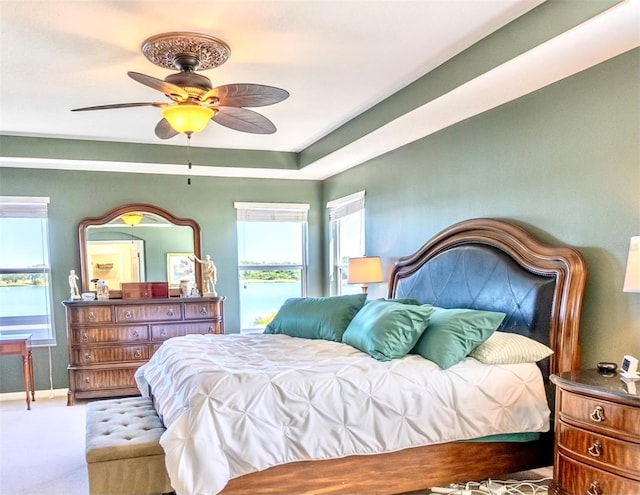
21,344
597,433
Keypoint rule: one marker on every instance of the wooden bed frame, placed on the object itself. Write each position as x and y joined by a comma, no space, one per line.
560,271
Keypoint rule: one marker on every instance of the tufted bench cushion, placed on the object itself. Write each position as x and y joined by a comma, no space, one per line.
123,451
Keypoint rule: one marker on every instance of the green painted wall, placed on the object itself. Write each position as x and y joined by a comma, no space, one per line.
209,200
563,162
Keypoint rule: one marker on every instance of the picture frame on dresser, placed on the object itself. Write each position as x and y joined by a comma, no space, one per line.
180,266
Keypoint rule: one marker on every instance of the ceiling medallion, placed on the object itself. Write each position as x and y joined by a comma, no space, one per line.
169,50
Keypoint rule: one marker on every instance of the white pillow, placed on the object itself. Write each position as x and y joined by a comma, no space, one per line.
510,348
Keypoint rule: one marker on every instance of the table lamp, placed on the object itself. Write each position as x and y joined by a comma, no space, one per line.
365,270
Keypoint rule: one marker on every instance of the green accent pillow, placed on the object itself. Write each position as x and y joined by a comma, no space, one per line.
387,330
453,333
316,317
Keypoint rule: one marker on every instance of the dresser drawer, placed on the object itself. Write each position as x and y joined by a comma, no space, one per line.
601,415
96,335
91,314
86,380
167,331
199,310
95,355
148,312
577,478
600,451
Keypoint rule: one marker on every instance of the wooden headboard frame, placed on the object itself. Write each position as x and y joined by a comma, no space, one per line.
564,264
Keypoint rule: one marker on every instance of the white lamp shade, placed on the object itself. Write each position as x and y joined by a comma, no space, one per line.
365,270
632,275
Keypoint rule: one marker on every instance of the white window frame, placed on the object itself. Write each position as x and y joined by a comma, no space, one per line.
337,210
30,207
277,212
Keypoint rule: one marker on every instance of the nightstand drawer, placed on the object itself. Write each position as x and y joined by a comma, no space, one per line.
601,415
600,451
576,478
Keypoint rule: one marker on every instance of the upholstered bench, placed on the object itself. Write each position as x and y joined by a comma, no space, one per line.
123,453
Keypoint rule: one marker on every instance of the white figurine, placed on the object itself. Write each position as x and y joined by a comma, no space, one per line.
210,274
73,285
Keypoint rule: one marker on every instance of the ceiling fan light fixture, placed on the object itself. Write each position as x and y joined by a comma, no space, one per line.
187,119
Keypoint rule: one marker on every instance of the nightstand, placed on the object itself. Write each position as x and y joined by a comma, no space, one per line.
597,434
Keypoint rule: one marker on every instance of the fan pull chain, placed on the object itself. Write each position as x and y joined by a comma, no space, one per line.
189,158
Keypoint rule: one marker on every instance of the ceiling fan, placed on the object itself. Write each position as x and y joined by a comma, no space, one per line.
194,100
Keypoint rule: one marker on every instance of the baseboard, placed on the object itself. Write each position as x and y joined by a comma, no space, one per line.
40,394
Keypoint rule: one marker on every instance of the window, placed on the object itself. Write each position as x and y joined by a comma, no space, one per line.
25,274
346,240
272,258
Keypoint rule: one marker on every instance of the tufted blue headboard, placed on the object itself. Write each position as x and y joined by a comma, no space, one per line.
494,265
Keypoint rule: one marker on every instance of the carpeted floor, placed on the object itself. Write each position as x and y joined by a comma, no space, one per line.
42,451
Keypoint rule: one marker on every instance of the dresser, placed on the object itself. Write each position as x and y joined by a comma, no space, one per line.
109,340
597,434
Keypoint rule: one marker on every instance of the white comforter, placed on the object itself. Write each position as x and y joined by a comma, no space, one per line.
234,404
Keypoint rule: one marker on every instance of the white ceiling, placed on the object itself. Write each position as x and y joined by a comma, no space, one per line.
336,58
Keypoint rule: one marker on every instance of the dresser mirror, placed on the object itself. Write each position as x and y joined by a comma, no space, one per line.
138,243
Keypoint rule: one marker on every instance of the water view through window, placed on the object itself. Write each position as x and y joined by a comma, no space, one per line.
272,268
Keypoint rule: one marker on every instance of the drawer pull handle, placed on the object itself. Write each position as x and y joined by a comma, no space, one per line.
169,312
137,354
128,315
163,333
598,414
596,449
136,334
87,380
84,337
203,311
210,330
92,315
594,489
87,357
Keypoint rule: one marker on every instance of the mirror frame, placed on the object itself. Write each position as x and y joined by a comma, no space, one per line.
118,212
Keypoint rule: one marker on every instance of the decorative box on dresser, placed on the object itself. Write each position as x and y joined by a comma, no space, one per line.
597,434
109,340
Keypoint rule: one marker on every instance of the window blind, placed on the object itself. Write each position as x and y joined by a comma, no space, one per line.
23,207
340,208
272,212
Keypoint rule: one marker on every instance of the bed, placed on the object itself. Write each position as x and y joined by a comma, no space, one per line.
481,264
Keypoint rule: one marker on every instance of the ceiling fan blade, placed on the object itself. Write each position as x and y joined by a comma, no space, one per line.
164,130
120,105
246,95
241,119
171,90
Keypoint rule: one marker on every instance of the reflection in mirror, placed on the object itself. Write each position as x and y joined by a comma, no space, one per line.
135,243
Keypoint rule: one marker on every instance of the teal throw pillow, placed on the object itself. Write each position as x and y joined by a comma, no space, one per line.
453,333
316,317
387,330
